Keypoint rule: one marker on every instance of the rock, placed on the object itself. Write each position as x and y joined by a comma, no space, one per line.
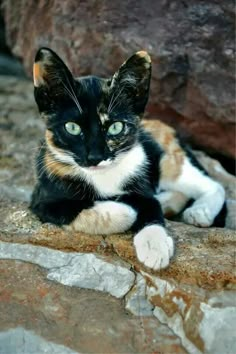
69,318
217,327
8,64
74,269
91,272
211,331
176,324
215,170
136,300
19,341
193,85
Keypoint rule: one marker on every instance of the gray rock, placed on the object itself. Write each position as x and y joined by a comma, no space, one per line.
75,269
21,341
16,193
136,300
91,272
217,329
10,66
42,256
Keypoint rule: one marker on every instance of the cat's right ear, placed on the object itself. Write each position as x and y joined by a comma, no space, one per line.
51,79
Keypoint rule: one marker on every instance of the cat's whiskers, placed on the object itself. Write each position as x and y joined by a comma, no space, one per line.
70,91
114,100
74,98
44,168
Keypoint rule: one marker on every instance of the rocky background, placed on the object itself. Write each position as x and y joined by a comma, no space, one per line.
191,44
77,293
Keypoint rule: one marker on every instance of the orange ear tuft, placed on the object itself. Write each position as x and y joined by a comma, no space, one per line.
38,72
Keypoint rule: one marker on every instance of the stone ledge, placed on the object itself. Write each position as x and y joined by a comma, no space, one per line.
203,257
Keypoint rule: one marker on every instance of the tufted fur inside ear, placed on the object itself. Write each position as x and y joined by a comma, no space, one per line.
133,77
52,79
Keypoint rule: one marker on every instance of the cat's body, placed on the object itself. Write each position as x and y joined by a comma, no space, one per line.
100,172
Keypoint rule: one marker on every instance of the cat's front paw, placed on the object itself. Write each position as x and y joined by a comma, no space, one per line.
154,247
198,216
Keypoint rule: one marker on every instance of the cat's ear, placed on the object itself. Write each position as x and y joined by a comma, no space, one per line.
133,78
52,79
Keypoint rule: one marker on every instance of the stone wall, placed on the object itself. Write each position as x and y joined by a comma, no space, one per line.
191,44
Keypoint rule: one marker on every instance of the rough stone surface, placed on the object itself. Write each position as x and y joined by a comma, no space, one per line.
82,320
200,281
205,321
8,64
20,341
75,269
191,44
217,327
136,300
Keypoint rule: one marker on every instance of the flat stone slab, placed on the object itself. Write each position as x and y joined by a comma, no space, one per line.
203,257
20,341
83,321
75,269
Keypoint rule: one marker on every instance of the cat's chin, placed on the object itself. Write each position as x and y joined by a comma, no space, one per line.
101,166
96,168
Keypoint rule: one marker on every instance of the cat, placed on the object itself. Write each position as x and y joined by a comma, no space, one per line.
100,172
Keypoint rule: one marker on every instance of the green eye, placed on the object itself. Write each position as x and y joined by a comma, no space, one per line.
116,128
73,128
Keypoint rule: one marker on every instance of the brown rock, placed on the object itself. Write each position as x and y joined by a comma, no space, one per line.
83,320
191,44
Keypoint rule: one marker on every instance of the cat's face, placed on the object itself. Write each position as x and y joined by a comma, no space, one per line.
91,121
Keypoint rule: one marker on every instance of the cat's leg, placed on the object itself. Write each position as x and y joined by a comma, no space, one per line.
105,217
208,194
55,211
172,202
153,246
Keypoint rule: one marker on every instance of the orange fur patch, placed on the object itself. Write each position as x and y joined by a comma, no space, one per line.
53,166
56,168
172,161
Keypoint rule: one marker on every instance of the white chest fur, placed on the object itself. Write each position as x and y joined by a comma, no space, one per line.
108,181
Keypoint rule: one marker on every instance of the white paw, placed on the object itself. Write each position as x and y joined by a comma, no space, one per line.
154,247
198,216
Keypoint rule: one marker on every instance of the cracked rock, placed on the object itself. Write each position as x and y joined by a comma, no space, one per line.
84,270
92,272
136,300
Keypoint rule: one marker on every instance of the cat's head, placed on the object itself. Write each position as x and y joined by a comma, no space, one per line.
91,121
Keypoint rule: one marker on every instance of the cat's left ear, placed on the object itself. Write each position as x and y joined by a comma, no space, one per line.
51,78
133,78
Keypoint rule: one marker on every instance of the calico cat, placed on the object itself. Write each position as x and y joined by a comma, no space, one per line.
100,172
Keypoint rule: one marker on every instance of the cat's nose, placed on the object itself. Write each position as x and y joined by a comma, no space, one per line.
94,158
